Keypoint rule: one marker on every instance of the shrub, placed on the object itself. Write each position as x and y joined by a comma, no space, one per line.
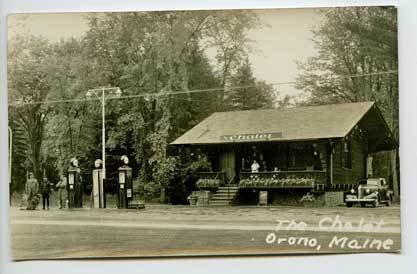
151,191
309,200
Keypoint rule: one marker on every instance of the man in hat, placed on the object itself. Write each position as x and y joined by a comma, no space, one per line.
61,188
45,191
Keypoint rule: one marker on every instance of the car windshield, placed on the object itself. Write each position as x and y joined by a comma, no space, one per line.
373,182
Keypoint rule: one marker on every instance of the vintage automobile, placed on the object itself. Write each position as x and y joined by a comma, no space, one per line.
372,191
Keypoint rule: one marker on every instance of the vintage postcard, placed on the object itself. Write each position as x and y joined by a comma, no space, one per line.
204,132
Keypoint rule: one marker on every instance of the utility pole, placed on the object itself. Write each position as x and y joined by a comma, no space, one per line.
112,91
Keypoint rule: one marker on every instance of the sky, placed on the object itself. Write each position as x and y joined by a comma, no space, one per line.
284,38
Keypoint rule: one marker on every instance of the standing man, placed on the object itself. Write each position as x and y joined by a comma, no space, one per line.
61,186
45,190
32,189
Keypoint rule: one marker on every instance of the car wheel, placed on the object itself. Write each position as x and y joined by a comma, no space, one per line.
363,204
376,202
348,204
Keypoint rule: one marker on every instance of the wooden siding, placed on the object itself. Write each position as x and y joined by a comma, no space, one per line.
343,175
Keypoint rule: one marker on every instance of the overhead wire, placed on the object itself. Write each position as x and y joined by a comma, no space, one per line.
172,93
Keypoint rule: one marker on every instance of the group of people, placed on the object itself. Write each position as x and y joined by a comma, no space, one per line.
34,191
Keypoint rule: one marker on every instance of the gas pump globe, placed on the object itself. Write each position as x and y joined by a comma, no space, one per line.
125,159
98,163
99,200
125,183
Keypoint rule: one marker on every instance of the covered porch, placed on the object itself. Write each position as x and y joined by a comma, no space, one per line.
281,165
323,149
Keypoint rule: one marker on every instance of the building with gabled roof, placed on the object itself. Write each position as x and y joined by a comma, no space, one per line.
310,148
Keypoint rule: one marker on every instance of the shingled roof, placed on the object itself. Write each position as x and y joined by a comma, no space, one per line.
298,123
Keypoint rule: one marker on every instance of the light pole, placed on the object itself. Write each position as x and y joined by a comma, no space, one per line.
110,90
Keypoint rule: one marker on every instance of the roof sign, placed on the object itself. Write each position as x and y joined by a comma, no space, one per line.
251,137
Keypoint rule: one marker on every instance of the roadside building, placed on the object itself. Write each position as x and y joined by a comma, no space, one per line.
319,149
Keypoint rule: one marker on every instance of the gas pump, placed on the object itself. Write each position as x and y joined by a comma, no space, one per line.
71,198
99,199
125,183
74,185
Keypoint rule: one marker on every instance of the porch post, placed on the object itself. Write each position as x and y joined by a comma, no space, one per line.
395,184
331,163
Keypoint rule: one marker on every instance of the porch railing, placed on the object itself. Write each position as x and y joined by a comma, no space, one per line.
211,179
283,179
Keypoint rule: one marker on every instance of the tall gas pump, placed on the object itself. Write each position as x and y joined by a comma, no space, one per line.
75,191
125,183
99,198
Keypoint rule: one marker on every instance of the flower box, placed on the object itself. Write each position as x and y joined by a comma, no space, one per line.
255,181
208,183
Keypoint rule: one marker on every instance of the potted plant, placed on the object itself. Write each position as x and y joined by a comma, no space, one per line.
192,199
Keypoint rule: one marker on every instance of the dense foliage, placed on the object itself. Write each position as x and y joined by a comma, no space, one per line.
150,56
357,61
169,84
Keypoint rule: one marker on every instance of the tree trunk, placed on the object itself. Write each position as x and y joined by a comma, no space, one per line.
395,181
35,153
36,168
162,197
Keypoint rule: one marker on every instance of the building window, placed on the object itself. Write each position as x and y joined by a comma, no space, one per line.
300,156
347,153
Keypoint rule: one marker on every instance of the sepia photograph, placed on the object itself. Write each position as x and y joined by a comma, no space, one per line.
234,132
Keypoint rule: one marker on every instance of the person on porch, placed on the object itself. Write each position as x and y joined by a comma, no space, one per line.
317,160
255,166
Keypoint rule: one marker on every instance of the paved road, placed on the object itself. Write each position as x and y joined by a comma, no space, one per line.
184,230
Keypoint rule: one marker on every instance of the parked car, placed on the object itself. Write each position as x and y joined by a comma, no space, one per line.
372,191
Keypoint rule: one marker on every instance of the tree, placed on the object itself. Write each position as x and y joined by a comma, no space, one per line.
153,53
41,71
19,154
163,166
151,56
72,127
353,42
28,81
250,94
228,35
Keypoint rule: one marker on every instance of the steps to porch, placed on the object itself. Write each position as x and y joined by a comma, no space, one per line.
224,195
